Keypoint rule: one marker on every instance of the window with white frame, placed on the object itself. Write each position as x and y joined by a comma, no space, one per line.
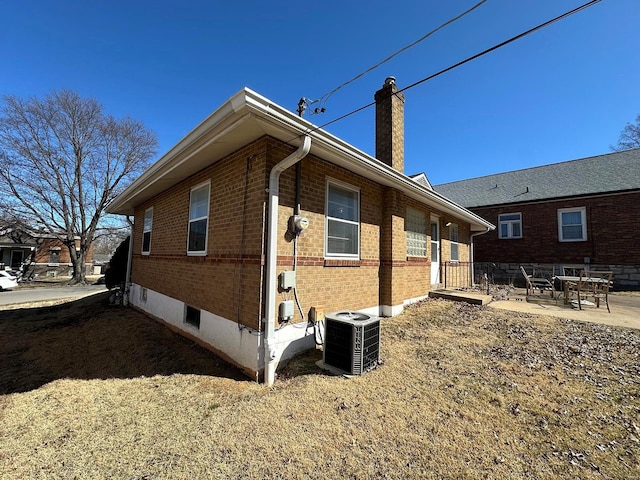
572,224
416,228
510,225
198,220
146,231
342,221
454,239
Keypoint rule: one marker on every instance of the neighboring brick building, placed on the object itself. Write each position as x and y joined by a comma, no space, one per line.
215,219
37,253
52,258
16,248
580,213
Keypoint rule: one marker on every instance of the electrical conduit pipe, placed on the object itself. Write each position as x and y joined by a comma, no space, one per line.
270,352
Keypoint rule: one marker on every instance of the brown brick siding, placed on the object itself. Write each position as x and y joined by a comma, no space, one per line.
228,280
610,233
210,282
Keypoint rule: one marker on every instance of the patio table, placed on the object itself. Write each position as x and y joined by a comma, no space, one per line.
569,280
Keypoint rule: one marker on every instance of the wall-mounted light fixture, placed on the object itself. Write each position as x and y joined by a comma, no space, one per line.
448,224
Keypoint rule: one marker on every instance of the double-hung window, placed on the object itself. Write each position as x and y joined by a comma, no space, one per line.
510,225
198,220
342,221
454,239
416,227
146,231
572,224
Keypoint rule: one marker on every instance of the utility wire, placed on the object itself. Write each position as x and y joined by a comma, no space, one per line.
324,98
467,60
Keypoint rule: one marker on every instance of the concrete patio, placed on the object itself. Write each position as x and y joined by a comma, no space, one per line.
625,308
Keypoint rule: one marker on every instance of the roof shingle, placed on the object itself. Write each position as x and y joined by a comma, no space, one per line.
613,172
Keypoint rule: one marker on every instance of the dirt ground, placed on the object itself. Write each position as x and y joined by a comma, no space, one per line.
98,392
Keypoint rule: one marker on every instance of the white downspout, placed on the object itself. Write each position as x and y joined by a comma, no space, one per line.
272,256
127,278
473,274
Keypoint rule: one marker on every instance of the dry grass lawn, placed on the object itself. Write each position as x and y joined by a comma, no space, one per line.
88,391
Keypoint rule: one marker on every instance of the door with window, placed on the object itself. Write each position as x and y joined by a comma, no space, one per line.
435,251
16,259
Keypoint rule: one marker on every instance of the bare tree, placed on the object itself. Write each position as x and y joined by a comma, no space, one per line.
63,160
109,237
630,136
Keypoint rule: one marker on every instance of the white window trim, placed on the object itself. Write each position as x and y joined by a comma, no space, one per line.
583,219
452,227
510,235
200,253
340,256
144,230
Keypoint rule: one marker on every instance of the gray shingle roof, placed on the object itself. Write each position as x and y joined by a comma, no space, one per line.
611,172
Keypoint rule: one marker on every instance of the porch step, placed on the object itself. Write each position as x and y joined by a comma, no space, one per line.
459,296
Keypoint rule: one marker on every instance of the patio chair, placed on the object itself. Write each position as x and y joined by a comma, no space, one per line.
541,279
595,285
572,288
571,271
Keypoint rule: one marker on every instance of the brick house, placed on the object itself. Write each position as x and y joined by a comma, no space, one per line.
52,258
40,254
255,191
16,248
577,214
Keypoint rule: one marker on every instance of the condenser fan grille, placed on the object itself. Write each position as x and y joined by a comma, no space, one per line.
352,342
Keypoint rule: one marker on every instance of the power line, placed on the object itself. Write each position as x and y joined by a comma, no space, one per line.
324,98
468,59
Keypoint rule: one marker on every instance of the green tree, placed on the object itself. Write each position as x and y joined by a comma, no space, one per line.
117,272
62,160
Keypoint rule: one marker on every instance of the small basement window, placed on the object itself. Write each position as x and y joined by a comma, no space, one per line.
192,316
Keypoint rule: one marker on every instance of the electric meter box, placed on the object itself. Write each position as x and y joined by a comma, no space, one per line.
285,310
287,279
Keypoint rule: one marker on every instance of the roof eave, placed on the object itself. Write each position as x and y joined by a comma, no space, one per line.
256,114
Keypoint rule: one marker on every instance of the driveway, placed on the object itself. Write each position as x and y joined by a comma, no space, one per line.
39,294
625,309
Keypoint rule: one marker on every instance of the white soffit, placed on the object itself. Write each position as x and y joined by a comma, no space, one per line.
247,116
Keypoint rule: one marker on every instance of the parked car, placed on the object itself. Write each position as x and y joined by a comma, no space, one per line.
7,280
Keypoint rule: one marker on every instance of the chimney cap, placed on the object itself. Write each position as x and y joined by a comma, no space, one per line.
390,81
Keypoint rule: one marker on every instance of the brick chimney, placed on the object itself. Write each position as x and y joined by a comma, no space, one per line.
390,125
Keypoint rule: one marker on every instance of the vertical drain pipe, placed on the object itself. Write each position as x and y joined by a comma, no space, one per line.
472,254
270,352
127,278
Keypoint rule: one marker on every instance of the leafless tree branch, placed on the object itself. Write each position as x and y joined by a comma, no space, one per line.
63,160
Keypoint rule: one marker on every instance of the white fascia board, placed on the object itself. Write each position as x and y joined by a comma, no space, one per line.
341,153
177,155
248,106
332,148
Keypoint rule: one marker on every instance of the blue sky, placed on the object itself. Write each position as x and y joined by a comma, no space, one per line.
562,93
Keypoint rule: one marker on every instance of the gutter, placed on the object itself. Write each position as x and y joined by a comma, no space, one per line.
270,352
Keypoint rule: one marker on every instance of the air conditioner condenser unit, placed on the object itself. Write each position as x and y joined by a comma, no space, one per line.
352,341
